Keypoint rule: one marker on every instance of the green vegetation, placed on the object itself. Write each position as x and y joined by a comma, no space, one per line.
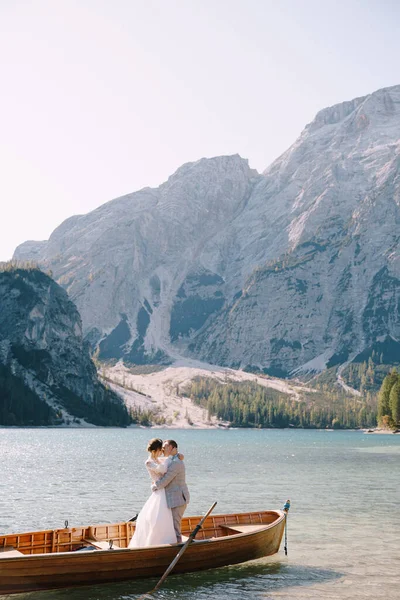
123,384
289,260
367,376
145,369
106,409
12,266
19,405
344,411
141,416
146,418
389,401
33,359
21,402
16,265
247,404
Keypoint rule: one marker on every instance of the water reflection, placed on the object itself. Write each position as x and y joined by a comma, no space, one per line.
258,579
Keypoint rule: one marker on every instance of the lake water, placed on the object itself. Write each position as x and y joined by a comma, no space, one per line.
343,527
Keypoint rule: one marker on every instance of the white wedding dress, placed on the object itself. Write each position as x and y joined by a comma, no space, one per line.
154,525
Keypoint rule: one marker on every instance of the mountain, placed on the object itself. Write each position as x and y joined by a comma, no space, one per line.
297,268
46,373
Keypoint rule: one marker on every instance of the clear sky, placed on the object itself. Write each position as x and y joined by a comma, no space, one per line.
100,98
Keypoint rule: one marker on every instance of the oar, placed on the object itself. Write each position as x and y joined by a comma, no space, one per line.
181,551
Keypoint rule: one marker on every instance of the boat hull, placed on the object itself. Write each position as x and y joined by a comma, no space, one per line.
66,569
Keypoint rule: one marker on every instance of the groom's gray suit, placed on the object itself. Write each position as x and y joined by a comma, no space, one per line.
176,492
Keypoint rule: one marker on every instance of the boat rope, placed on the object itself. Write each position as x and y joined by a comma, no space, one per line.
286,508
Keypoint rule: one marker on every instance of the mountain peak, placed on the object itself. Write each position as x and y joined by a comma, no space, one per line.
384,99
217,164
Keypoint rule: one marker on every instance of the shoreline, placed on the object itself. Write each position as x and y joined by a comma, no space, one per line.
380,431
217,427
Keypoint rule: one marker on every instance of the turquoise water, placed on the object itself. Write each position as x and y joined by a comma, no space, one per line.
343,528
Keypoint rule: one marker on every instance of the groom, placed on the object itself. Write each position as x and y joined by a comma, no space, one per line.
174,482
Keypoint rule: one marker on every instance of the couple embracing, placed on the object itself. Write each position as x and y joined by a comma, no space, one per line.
159,521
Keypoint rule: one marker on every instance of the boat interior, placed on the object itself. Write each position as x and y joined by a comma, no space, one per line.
117,535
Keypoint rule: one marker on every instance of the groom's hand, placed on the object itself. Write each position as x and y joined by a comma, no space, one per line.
153,487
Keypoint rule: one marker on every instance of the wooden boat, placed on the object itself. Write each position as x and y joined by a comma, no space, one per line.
75,556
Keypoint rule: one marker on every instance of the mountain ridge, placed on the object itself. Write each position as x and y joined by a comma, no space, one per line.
296,266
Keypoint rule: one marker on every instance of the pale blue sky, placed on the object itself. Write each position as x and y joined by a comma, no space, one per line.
100,98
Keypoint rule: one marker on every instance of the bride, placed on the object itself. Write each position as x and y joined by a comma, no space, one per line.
154,525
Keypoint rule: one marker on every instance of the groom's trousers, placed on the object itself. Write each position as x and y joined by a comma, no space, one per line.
177,514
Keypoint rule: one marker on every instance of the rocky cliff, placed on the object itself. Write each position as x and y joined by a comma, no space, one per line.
296,268
46,373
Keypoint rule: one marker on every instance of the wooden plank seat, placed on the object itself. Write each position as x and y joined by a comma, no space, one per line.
9,552
100,545
242,528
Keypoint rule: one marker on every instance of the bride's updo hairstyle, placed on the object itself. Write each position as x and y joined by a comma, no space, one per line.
154,445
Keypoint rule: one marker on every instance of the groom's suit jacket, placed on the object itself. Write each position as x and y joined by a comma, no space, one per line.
174,482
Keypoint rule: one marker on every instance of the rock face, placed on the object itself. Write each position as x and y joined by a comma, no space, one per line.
296,268
43,358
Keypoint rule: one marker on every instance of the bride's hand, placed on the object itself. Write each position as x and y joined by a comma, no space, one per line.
181,456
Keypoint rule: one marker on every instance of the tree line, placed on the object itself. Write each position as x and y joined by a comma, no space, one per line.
19,405
367,376
389,401
248,404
